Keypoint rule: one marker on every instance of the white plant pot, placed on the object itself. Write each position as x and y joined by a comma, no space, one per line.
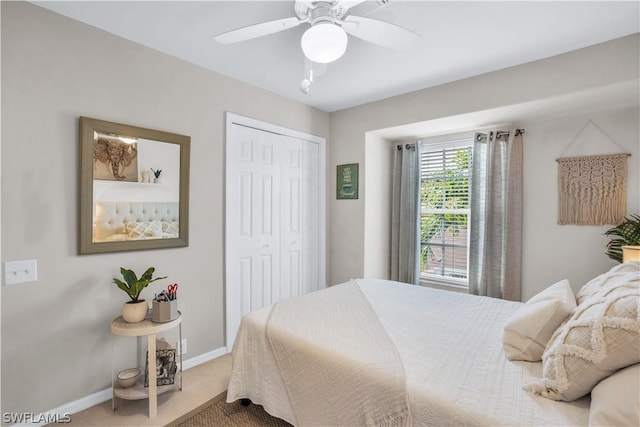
133,312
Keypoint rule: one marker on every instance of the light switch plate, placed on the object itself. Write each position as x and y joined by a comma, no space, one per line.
20,271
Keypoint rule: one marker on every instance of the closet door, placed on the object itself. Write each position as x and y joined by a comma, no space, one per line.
291,218
274,220
253,244
310,217
298,217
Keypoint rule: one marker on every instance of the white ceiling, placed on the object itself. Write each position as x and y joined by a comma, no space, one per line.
459,40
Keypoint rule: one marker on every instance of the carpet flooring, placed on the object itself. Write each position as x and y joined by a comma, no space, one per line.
217,412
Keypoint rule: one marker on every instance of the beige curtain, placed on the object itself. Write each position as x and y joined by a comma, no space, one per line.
405,214
496,215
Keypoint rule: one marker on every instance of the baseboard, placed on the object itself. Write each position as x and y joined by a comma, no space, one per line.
99,397
203,358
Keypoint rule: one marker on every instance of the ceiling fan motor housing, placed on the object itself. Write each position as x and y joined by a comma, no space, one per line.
319,11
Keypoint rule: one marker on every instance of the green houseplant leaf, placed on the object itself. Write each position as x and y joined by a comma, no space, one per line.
132,286
627,233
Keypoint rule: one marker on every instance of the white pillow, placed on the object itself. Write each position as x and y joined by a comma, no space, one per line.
615,401
144,230
170,229
530,328
600,337
611,278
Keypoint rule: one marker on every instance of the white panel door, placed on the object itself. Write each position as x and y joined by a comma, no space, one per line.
291,218
310,217
253,243
274,218
299,218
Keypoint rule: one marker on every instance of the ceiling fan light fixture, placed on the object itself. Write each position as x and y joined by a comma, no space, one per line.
324,42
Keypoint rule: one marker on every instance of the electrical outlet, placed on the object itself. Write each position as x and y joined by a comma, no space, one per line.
183,347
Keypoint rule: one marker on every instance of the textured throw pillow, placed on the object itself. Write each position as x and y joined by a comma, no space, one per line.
530,328
601,336
144,230
615,401
608,279
170,229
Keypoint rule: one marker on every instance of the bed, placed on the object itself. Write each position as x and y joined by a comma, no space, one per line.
120,221
378,352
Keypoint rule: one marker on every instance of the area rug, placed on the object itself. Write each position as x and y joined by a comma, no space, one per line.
217,412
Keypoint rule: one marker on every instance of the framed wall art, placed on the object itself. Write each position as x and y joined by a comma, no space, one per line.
347,181
165,367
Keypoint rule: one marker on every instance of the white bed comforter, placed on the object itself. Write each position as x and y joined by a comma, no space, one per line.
308,351
449,345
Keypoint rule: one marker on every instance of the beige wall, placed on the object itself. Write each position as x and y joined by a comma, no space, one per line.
377,221
550,252
550,98
55,332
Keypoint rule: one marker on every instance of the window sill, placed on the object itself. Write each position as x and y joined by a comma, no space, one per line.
444,286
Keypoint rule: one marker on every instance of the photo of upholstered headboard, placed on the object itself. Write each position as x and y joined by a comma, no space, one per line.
117,221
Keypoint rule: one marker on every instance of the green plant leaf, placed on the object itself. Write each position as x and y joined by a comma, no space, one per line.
134,286
129,276
147,274
627,233
122,285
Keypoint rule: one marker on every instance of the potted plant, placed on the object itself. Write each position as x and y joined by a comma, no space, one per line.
627,234
136,309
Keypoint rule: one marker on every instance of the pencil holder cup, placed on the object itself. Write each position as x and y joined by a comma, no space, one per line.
164,311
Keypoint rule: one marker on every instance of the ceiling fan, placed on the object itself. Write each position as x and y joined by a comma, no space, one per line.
330,21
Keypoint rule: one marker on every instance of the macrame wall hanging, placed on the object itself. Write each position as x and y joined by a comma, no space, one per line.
592,190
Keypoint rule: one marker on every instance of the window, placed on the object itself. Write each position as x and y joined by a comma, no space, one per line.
445,178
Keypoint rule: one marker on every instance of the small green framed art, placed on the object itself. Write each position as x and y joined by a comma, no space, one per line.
347,181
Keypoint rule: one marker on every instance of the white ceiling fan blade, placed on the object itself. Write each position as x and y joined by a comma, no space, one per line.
359,7
258,30
345,5
380,32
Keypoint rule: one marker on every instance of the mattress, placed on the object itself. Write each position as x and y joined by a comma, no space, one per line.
449,346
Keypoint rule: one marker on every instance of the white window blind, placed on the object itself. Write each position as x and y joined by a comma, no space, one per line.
445,183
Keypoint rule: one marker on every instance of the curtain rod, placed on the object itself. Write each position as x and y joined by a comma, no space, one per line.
518,132
500,133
